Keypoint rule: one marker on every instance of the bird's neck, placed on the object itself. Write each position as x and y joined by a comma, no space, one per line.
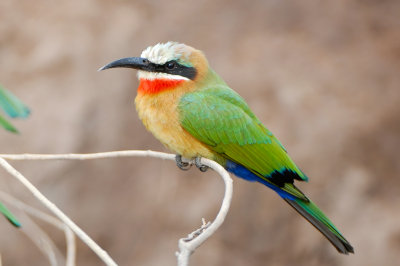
155,86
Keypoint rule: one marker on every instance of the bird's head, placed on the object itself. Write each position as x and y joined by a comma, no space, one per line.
165,66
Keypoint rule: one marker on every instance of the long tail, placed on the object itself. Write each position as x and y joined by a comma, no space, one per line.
317,218
9,215
300,203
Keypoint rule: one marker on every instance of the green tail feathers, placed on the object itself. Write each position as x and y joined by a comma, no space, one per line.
317,218
9,215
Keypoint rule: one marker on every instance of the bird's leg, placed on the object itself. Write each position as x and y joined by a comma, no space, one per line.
181,164
202,167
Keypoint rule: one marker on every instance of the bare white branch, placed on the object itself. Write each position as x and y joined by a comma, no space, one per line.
69,235
57,212
88,156
186,245
43,242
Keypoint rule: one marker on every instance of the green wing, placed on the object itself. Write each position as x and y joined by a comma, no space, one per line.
220,118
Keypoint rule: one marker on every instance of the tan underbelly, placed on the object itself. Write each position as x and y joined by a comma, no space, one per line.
160,117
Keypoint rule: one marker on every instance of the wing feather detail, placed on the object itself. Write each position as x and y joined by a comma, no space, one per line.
221,119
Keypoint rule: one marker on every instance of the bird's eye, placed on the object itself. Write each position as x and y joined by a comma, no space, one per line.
170,65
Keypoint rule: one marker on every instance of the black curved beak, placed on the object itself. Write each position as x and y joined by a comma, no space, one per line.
139,63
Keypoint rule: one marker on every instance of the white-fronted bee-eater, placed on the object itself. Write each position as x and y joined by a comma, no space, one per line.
194,113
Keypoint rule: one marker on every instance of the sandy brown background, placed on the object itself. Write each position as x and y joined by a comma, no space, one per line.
324,76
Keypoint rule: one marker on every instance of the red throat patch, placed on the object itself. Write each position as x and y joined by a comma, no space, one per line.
155,86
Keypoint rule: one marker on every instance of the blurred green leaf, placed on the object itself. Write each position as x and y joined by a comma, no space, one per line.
9,215
7,125
13,107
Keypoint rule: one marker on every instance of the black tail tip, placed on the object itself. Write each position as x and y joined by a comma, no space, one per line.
346,248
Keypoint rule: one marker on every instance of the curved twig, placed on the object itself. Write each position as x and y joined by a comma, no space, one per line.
186,245
69,235
57,212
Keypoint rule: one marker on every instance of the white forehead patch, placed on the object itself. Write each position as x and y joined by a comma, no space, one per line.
164,52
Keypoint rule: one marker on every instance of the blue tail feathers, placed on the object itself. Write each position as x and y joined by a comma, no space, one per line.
246,174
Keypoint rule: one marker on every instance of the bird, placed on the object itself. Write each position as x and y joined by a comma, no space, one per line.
14,108
190,109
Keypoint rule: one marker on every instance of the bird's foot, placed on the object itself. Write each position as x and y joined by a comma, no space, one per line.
181,164
202,167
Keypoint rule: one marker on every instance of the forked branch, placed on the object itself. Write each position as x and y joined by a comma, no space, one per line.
186,245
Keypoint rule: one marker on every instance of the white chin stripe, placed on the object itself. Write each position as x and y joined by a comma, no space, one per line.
156,75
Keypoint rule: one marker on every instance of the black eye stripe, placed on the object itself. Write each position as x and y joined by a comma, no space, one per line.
174,68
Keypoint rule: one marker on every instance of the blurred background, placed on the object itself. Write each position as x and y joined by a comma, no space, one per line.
322,75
